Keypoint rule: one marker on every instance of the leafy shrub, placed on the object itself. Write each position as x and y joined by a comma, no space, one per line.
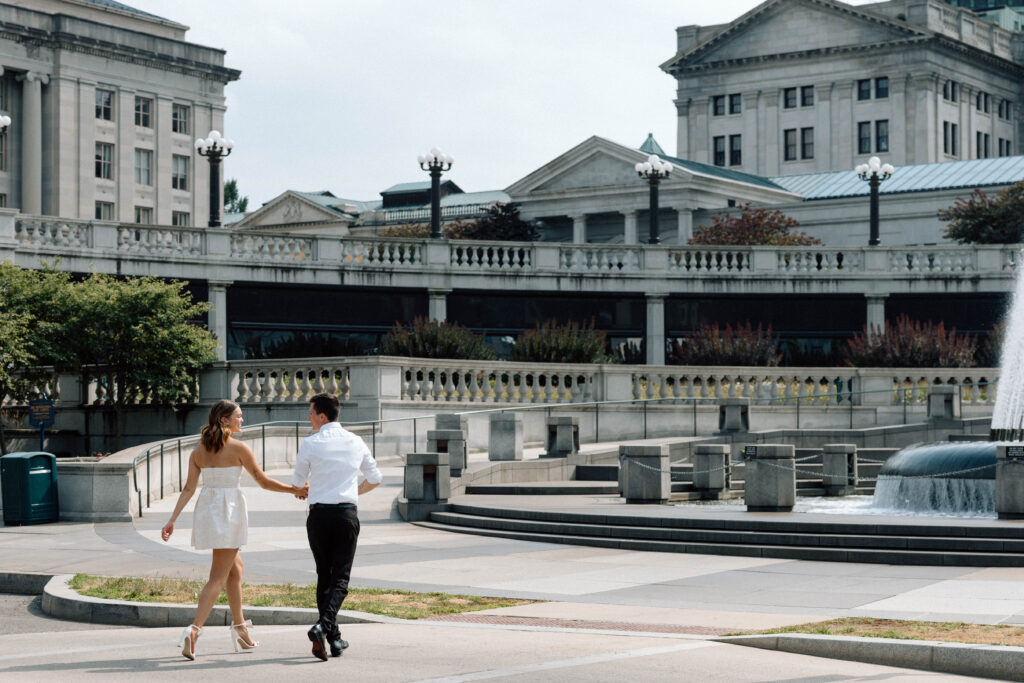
906,343
433,339
550,342
742,345
990,349
752,227
501,223
984,219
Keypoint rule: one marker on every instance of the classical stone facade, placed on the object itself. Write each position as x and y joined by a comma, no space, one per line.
105,103
798,86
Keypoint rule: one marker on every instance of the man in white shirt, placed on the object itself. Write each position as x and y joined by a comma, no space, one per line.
331,460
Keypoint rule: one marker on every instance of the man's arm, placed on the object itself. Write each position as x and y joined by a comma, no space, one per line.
365,486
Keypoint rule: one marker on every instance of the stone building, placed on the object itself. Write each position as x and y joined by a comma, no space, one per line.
800,86
105,102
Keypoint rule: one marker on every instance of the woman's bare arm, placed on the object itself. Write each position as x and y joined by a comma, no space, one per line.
260,477
187,491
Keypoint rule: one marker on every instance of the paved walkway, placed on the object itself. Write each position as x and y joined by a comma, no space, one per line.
604,592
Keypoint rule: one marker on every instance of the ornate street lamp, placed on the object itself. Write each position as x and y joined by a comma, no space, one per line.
654,170
5,121
214,148
435,162
874,172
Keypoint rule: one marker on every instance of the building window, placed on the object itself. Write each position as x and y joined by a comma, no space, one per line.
4,105
864,89
983,141
719,150
735,103
144,112
789,98
806,143
143,167
882,87
882,136
3,151
1004,109
954,139
3,201
105,105
180,118
807,96
1004,148
144,215
950,91
864,137
735,150
945,137
181,218
789,138
179,172
104,211
105,160
718,105
983,101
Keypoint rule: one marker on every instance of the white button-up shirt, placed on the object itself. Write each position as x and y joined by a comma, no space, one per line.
331,461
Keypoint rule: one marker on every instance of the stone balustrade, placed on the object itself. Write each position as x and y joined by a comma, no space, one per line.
223,254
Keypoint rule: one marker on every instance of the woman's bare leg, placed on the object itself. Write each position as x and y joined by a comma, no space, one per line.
234,590
223,561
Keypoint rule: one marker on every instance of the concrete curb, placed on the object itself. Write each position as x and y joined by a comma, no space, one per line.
60,601
987,661
23,583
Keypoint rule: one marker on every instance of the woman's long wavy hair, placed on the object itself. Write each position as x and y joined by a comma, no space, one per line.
213,435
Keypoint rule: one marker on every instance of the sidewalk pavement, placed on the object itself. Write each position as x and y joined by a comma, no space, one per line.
586,588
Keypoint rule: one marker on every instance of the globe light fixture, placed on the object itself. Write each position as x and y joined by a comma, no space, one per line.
435,162
653,170
873,173
214,147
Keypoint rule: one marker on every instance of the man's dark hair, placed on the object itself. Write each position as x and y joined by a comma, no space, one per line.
326,404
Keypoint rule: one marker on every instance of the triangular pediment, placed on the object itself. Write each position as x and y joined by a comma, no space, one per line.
291,208
792,26
595,163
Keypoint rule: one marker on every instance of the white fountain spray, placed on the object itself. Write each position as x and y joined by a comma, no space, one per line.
1008,415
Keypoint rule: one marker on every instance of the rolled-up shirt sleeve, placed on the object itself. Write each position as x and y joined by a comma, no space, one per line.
302,465
368,467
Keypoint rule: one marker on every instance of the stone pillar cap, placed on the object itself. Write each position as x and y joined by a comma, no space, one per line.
563,420
446,434
638,450
427,459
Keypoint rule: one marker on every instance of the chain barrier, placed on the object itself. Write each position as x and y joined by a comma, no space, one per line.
645,466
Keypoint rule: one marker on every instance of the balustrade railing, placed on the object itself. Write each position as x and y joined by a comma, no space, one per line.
601,258
382,252
497,382
275,248
160,241
287,381
472,256
817,386
42,232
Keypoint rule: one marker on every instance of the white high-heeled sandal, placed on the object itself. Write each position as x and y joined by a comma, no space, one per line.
187,645
243,643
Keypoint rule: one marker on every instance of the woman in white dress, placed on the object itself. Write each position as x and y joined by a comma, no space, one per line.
220,521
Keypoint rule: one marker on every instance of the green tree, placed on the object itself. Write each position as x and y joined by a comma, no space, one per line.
501,223
34,305
985,219
752,227
143,331
233,201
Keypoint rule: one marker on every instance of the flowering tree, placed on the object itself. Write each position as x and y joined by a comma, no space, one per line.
984,219
752,227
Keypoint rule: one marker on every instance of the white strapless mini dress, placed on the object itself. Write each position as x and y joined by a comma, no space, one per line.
220,519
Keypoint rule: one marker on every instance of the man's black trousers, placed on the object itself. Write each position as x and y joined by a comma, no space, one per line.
332,533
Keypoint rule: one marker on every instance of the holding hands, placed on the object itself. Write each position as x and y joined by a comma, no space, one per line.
303,492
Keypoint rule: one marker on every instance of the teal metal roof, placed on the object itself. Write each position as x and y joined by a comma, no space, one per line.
946,175
327,200
651,146
409,187
727,174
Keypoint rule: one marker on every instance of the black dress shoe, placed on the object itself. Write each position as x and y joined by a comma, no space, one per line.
319,640
337,645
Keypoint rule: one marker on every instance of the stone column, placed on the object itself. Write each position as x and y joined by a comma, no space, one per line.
684,231
923,115
839,468
700,139
711,471
426,486
217,295
654,329
505,441
579,229
437,306
769,478
875,311
32,141
629,231
823,128
844,128
752,158
683,127
898,140
645,476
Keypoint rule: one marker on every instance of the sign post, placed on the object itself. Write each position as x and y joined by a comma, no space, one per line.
41,414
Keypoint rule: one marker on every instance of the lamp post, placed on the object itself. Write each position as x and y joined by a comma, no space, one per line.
214,148
435,162
654,170
5,121
874,172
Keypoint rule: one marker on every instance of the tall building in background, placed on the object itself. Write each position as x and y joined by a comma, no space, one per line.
105,102
803,86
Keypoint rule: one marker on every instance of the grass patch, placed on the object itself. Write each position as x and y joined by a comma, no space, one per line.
391,603
948,631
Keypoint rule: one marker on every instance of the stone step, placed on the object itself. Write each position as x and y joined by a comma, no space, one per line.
545,488
597,473
894,543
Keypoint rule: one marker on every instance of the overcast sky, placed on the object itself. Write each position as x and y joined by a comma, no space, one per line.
343,95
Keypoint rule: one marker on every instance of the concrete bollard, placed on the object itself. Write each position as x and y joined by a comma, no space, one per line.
770,480
839,469
505,441
734,415
645,476
427,486
563,436
451,421
1010,481
452,442
712,471
944,403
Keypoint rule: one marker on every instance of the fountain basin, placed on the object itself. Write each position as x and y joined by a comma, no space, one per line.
942,478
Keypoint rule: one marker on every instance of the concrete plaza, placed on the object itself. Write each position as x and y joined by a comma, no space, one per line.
610,614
